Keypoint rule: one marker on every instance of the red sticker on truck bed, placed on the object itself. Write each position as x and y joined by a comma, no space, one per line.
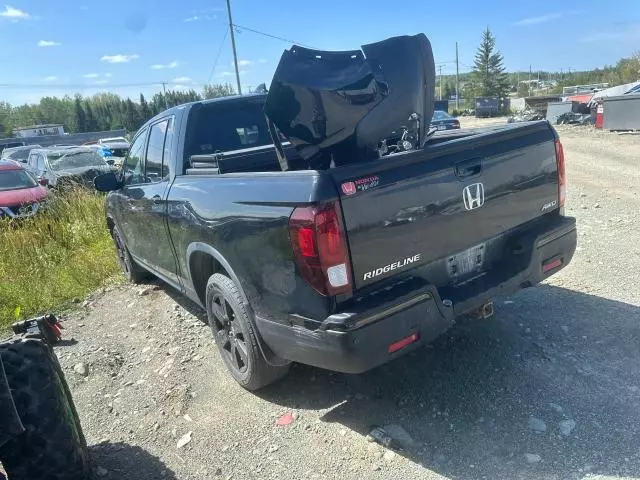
360,185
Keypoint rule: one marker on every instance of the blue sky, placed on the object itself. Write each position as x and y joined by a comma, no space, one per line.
56,47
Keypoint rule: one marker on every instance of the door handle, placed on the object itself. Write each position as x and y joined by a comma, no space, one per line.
469,168
156,199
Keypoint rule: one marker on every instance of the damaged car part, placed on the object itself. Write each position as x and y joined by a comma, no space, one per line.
338,108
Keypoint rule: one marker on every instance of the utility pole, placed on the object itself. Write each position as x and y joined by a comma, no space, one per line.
530,79
440,68
233,46
457,80
164,89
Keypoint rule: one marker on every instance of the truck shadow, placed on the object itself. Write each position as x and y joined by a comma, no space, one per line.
549,388
127,462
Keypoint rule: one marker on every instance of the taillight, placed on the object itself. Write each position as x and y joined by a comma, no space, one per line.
320,248
562,174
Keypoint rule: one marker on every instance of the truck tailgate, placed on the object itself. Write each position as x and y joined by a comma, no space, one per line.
411,209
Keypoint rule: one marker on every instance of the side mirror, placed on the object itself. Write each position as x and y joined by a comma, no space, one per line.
110,161
43,181
107,182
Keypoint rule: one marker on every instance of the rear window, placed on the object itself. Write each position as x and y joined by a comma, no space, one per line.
225,128
16,180
19,155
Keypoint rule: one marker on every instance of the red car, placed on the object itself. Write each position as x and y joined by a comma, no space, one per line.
20,193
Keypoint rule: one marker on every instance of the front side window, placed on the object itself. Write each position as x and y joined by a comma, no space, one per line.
133,165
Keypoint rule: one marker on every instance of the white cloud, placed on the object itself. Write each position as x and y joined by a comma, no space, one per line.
101,82
262,60
50,78
160,66
48,43
538,20
629,34
182,80
196,18
91,75
225,74
119,58
14,13
243,63
108,74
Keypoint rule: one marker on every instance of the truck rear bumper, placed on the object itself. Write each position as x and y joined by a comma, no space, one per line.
411,313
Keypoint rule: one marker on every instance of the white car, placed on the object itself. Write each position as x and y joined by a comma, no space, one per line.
113,140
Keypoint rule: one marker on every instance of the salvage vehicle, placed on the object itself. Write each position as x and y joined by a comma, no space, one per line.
443,121
20,195
62,165
19,154
312,237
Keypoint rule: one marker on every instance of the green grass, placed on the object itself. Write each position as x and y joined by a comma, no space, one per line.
63,252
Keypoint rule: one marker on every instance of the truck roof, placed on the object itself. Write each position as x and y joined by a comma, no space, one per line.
228,100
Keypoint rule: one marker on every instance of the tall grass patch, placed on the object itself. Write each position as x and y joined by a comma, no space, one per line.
62,253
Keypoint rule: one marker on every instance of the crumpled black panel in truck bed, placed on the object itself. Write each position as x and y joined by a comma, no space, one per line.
335,107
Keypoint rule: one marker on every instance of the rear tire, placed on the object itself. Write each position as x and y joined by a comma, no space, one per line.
134,272
52,447
235,336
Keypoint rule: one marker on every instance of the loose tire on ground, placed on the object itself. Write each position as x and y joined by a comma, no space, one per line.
134,272
235,337
52,447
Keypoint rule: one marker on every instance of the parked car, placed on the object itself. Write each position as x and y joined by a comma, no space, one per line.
112,140
318,250
19,154
116,148
20,194
443,121
57,166
10,144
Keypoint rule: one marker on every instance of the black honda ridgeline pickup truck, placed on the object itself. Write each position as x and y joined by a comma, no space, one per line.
324,223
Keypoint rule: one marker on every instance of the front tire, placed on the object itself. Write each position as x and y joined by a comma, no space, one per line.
235,337
134,272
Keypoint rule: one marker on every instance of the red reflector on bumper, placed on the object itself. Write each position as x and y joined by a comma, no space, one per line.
551,265
394,347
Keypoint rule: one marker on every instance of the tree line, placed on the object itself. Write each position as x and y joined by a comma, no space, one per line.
103,111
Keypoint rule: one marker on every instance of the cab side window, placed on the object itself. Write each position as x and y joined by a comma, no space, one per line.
133,167
40,167
32,162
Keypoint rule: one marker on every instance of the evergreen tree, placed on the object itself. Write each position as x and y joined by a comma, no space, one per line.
145,110
130,118
81,116
488,78
92,124
215,91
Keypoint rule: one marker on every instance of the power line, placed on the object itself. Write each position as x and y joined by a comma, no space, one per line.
215,63
273,36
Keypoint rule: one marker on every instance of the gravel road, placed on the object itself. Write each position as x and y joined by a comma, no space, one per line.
547,389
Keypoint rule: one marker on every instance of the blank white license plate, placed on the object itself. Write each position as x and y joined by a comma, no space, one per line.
442,127
466,262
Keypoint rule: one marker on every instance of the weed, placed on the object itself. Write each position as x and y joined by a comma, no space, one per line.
63,252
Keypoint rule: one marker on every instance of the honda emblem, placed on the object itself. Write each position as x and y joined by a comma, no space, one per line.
473,196
349,188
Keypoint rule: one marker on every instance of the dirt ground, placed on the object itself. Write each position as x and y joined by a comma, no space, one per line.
547,389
